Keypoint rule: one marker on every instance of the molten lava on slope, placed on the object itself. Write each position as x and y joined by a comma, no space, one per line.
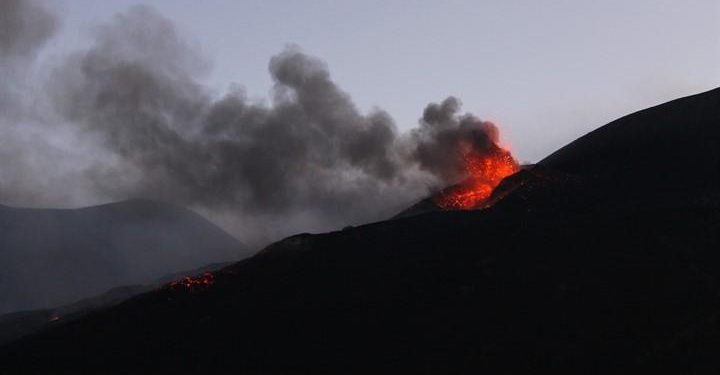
193,284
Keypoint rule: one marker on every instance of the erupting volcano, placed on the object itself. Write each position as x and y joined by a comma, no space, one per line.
485,170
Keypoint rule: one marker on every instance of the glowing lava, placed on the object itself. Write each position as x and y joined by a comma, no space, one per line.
193,284
485,171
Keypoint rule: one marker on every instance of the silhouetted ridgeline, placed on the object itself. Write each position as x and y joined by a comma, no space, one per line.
54,257
601,259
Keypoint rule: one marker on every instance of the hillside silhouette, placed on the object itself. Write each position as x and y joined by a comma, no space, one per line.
602,258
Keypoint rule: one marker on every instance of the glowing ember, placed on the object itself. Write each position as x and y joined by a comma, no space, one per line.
485,171
193,284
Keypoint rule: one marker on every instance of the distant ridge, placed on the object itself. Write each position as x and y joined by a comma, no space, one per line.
50,257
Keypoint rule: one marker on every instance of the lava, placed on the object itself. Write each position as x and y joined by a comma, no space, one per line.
193,284
485,171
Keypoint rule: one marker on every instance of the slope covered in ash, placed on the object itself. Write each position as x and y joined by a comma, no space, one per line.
51,257
582,266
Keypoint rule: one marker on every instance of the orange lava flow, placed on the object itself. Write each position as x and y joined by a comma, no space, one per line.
485,172
193,283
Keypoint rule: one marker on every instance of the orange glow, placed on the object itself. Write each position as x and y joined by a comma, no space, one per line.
485,171
193,284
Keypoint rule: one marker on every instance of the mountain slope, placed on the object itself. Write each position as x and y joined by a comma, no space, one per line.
19,324
582,266
654,155
54,257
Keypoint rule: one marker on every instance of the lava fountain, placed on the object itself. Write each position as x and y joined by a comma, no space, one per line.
485,170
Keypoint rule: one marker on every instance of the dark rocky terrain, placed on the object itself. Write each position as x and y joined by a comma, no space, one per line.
18,324
603,258
53,257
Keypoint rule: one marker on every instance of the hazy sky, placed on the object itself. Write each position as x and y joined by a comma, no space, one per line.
545,71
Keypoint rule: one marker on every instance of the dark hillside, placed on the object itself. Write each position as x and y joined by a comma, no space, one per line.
602,259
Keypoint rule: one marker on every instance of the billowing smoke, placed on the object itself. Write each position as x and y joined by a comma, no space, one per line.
307,160
27,143
445,137
24,26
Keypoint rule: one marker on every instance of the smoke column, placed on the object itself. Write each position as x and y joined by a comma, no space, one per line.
129,117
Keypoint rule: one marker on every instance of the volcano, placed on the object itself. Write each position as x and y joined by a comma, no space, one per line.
602,258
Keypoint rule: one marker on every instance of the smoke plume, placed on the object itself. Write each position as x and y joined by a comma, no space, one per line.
306,160
24,28
445,137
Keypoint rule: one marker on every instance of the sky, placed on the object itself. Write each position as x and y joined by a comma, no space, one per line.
545,72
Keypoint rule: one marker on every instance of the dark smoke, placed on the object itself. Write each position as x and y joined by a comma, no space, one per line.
445,135
27,144
307,160
24,26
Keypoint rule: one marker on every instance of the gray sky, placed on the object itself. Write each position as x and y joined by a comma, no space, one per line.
544,71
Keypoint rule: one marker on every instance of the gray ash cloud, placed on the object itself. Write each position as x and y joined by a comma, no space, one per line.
445,135
24,26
